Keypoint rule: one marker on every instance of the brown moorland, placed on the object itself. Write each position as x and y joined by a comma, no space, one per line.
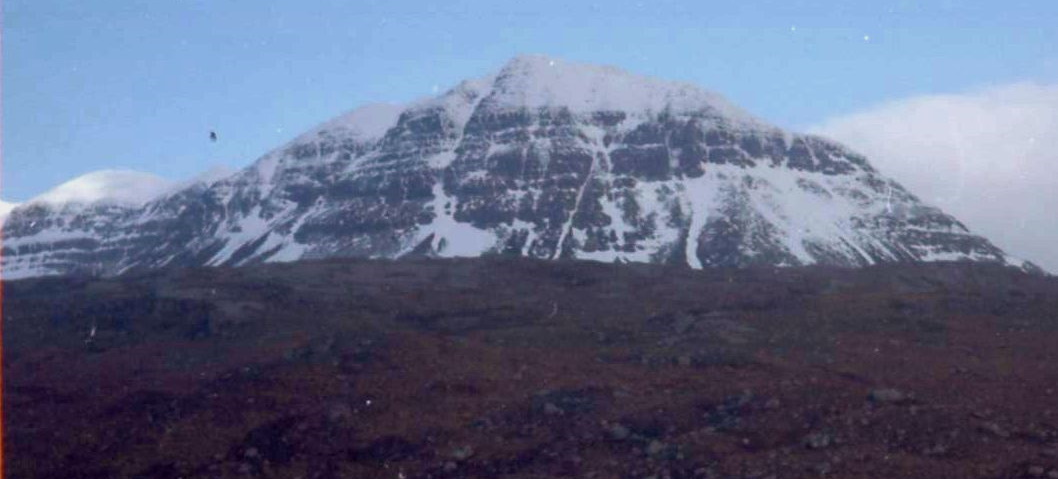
513,368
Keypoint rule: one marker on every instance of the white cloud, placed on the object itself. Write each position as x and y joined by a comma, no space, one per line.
988,157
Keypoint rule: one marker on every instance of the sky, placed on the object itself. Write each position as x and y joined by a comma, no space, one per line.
137,84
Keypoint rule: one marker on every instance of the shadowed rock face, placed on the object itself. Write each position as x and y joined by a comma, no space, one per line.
544,159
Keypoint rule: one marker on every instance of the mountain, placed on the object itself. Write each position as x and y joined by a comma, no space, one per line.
546,159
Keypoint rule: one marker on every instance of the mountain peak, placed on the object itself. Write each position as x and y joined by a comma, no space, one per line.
540,81
534,64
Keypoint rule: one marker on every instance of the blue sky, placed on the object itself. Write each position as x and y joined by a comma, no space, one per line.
139,84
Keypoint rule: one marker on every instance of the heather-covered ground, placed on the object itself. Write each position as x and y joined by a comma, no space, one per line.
527,369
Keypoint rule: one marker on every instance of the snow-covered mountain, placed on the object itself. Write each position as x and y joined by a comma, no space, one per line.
545,158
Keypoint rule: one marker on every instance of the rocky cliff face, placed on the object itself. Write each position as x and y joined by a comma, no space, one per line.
546,159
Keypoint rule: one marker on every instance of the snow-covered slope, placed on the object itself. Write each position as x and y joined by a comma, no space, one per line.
535,82
544,158
5,209
122,187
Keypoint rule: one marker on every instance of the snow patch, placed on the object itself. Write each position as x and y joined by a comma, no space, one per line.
248,228
701,196
452,238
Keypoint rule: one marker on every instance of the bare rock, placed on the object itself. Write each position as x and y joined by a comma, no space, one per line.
993,429
655,447
887,396
463,453
818,440
619,432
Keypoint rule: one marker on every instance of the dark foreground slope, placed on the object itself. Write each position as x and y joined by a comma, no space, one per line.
519,369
